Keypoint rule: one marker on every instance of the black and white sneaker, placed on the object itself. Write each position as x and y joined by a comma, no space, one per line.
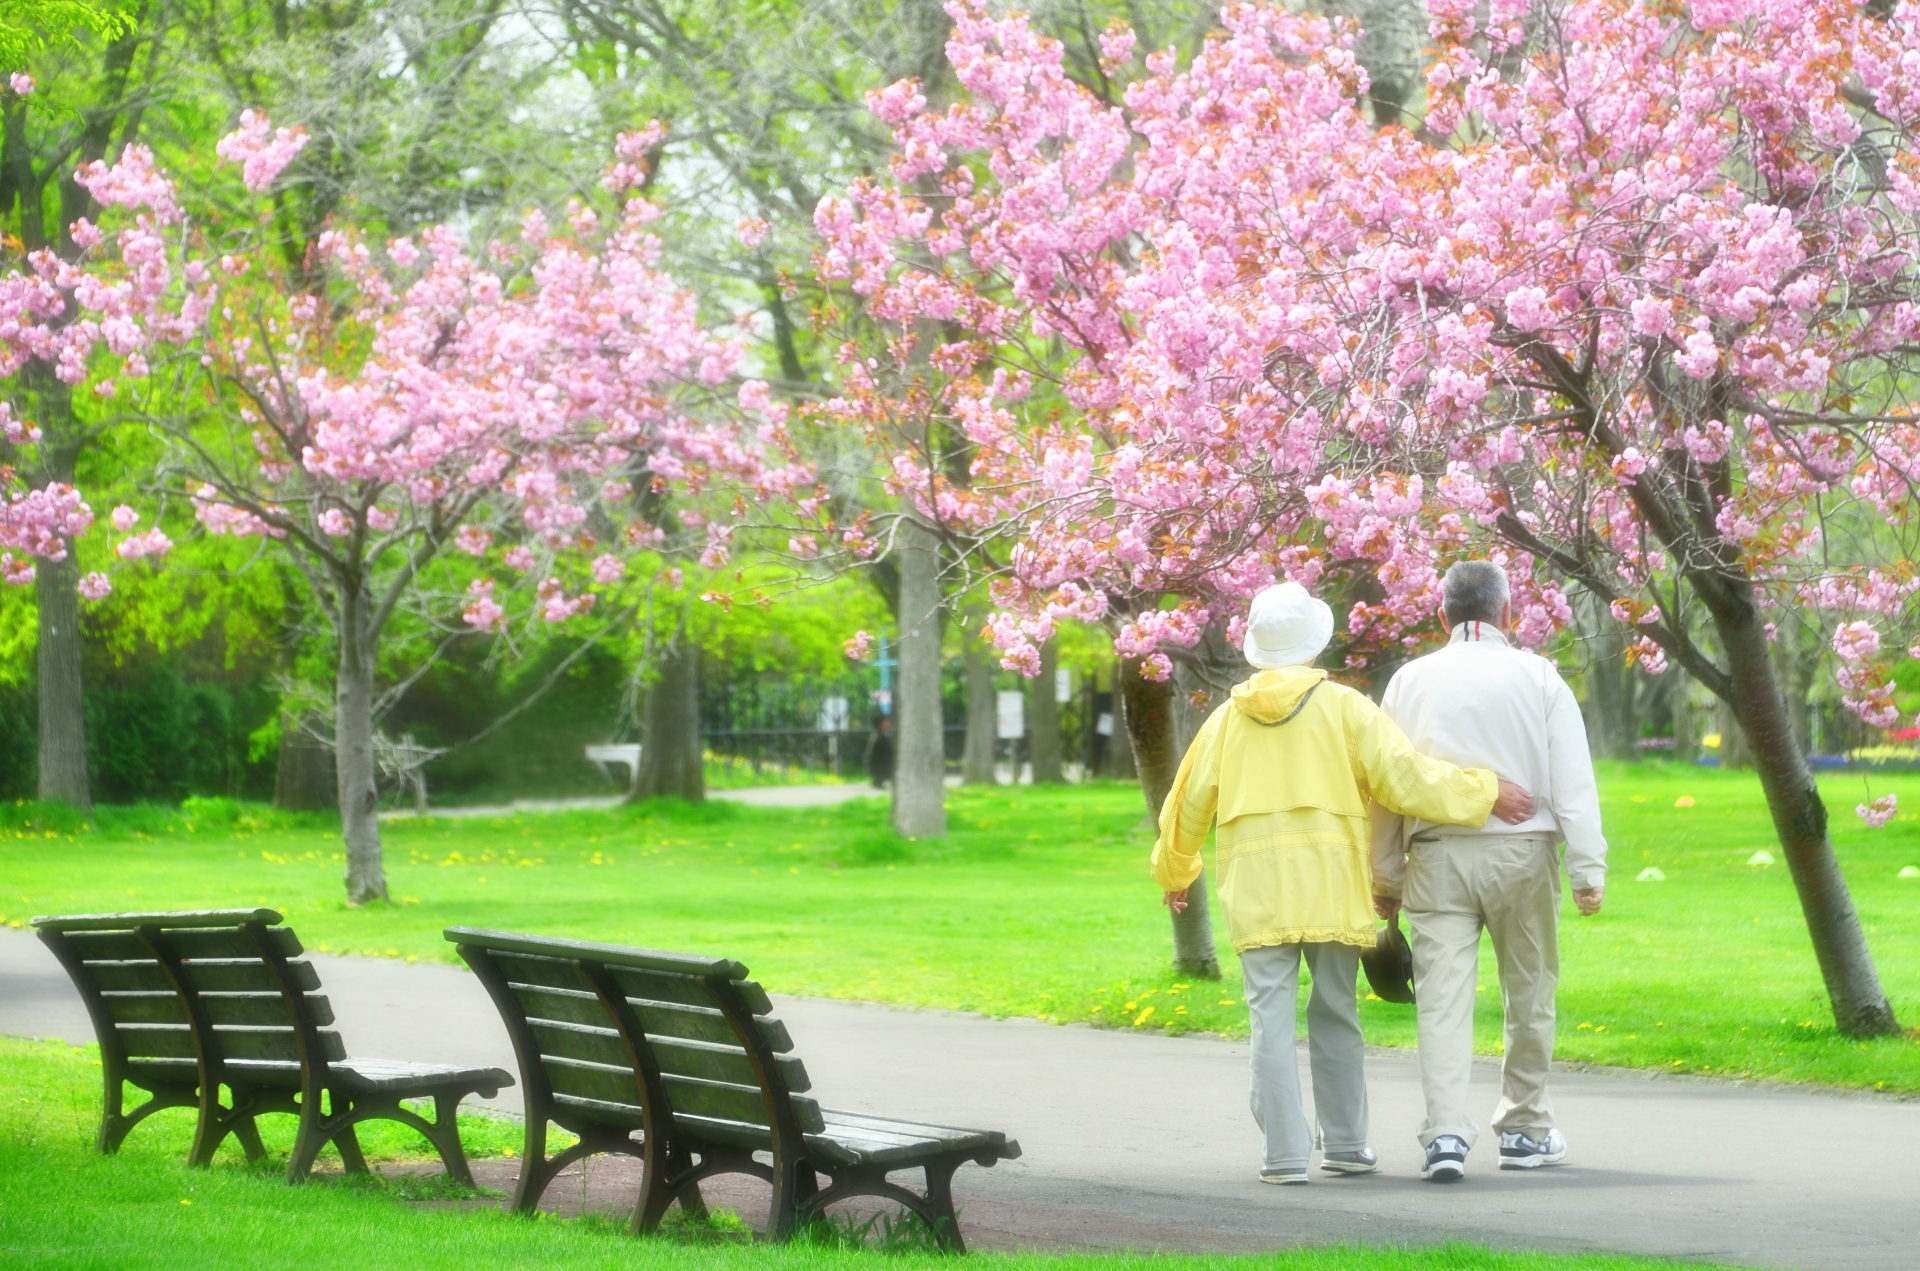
1446,1160
1517,1151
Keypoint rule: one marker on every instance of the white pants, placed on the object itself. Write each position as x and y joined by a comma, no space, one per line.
1334,1046
1510,885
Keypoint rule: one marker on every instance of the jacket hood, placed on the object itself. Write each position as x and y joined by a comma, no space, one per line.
1271,696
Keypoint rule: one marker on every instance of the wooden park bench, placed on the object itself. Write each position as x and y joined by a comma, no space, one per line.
686,1050
185,1003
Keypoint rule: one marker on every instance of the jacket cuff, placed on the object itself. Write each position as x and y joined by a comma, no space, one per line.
1589,881
1386,889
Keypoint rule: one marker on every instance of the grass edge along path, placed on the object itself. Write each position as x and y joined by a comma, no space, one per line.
63,1205
1037,904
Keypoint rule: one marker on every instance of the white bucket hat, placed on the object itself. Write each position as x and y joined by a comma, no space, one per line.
1287,627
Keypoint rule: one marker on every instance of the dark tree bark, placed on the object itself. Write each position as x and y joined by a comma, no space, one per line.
1150,729
670,752
1044,722
1120,764
1681,701
919,777
1860,1006
353,748
1678,499
976,765
304,779
63,726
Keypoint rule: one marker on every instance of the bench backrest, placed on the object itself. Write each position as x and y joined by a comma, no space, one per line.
171,991
614,1029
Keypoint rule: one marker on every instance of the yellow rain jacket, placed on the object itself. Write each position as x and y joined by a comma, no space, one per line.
1288,767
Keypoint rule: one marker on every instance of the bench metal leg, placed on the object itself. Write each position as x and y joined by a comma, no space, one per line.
935,1208
347,1143
116,1125
538,1171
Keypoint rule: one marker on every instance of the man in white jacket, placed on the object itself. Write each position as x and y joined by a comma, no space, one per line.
1480,702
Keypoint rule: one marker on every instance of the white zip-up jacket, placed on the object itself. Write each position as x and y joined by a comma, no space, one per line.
1481,703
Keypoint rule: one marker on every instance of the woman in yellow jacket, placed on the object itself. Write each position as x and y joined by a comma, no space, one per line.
1286,770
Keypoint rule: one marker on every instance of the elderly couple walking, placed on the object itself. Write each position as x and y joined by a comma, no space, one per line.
1446,802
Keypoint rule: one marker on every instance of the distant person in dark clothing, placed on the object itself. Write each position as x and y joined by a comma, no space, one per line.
880,752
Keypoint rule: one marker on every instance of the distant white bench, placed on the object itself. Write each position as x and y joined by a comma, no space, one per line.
607,755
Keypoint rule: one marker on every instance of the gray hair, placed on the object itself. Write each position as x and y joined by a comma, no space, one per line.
1474,591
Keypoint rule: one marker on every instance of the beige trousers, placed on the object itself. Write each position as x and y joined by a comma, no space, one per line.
1510,885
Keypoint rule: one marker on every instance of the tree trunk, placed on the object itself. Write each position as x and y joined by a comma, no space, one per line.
63,702
1733,739
919,775
1120,745
1860,1006
304,779
353,752
1681,700
1150,730
63,720
1045,721
670,751
976,765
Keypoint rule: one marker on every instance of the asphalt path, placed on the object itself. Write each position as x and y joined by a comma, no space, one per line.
1144,1142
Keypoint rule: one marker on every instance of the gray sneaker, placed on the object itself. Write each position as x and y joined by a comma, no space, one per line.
1361,1162
1285,1175
1517,1151
1446,1160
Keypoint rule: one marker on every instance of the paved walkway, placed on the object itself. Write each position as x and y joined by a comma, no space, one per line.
1144,1142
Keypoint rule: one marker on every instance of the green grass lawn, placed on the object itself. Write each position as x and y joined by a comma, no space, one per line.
63,1206
1038,904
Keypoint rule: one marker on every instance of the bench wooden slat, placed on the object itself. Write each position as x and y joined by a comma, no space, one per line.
594,1045
611,954
563,1005
222,1008
734,1133
263,1008
275,1043
120,946
182,918
208,977
593,1081
548,973
249,977
184,1072
951,1135
692,1023
157,1041
722,1063
659,986
597,1111
728,1102
153,1007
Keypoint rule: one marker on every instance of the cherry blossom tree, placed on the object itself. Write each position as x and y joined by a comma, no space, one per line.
1632,309
428,405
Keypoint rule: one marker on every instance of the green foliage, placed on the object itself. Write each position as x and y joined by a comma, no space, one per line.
28,27
143,1208
1038,904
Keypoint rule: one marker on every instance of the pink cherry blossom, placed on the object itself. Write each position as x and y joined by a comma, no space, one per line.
263,152
1877,813
21,83
859,645
94,586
